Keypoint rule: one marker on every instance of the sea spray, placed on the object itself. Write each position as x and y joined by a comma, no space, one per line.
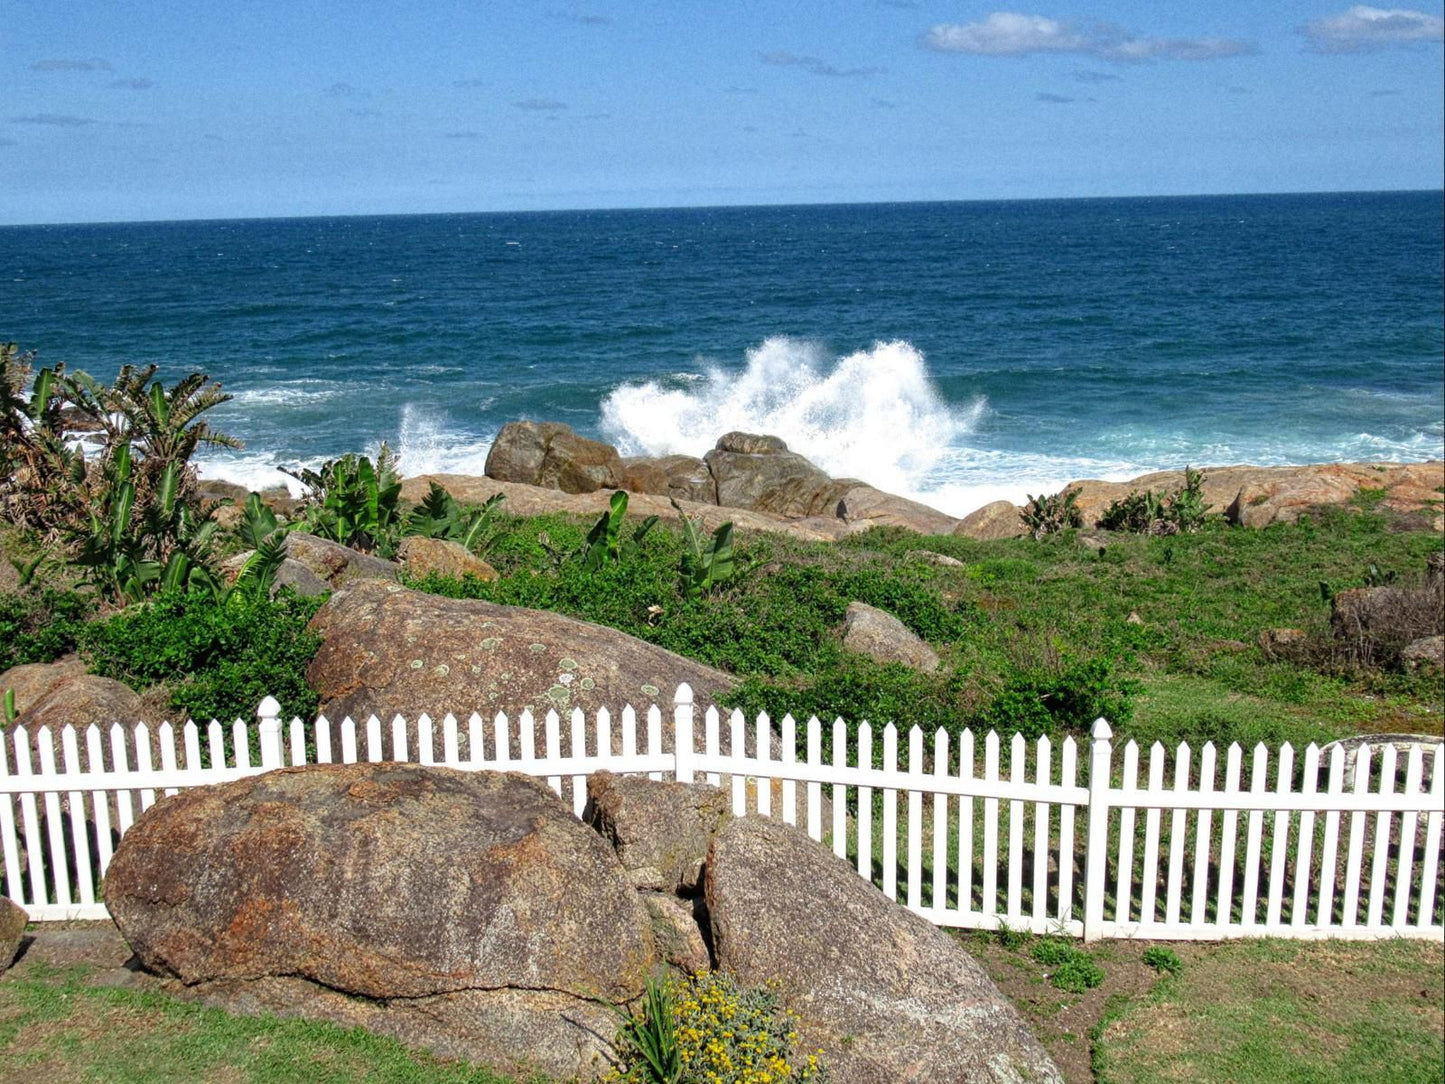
874,414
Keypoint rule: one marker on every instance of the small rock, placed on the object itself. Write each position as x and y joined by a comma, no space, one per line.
879,635
660,831
928,557
31,681
677,933
998,519
335,563
13,920
1425,653
1133,618
423,556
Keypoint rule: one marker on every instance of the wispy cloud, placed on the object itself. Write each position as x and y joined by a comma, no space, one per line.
1364,29
1084,75
1054,99
884,103
1384,93
132,84
541,105
6,142
346,90
1006,33
94,64
469,83
467,134
53,120
815,66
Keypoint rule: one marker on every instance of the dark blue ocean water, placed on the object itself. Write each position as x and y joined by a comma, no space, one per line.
959,351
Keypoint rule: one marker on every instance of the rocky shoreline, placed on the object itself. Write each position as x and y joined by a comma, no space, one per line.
758,484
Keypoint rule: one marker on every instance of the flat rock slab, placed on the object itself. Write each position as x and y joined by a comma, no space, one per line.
889,998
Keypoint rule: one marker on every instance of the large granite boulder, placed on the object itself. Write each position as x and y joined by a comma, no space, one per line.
551,455
471,911
889,997
82,700
758,472
386,650
337,564
876,633
863,506
424,556
660,831
682,476
32,681
998,519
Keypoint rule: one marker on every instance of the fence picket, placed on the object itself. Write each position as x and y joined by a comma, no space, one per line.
425,740
1430,864
54,827
79,839
865,805
451,742
143,761
1149,877
739,777
814,789
890,814
578,749
501,742
9,842
965,826
1409,822
1258,781
476,727
1068,770
1278,855
840,803
1299,914
915,819
1124,893
629,733
711,741
939,899
1228,843
1203,841
1354,855
654,737
990,826
30,817
323,740
1376,906
763,734
118,758
790,757
1178,825
1329,848
552,730
100,799
348,740
166,739
399,748
1017,755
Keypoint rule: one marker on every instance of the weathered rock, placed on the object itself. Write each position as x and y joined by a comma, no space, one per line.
13,920
1275,642
676,931
474,905
335,563
80,701
928,557
1426,653
289,573
682,476
422,556
660,831
889,997
759,473
876,633
386,650
32,681
998,519
863,506
551,455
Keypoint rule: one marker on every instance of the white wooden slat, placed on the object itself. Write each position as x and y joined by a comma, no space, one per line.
191,742
1178,838
1258,781
989,904
712,740
143,761
965,826
79,837
1043,765
215,743
1299,913
502,741
1375,909
915,818
240,743
399,750
1329,847
1149,878
553,738
763,735
323,740
425,740
1203,841
840,792
1278,850
739,776
1018,753
1430,864
1124,892
578,738
629,733
296,732
602,729
865,805
1409,823
30,818
55,828
814,790
790,756
890,814
1224,907
476,740
1068,769
1354,855
9,841
100,799
654,737
373,740
166,739
939,897
451,742
348,740
123,816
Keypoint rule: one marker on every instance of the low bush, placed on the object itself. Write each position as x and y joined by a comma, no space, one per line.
1074,969
218,661
1163,960
40,626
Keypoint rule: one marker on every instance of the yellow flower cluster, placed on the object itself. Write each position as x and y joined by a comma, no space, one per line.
727,1034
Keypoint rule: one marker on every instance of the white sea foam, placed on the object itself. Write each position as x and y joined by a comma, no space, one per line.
874,414
426,445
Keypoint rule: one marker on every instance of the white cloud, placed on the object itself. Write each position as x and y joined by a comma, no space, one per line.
1364,28
815,65
94,64
1006,33
53,120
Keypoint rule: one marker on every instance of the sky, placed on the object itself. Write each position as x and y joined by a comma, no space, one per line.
154,109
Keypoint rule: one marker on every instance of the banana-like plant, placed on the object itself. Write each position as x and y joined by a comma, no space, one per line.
440,516
352,502
267,538
605,542
706,564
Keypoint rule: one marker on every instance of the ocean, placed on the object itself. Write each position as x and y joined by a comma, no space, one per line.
954,352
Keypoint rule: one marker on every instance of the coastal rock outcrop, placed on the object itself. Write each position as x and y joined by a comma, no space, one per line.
32,681
876,633
758,472
995,520
890,998
385,649
335,563
468,912
551,455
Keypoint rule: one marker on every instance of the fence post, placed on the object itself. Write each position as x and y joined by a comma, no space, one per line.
1096,863
682,747
268,727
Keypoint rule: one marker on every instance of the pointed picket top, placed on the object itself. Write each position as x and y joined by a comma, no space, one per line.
991,743
710,717
1043,747
1018,748
1101,730
737,718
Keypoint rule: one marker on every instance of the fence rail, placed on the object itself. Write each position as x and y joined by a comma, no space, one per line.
1328,844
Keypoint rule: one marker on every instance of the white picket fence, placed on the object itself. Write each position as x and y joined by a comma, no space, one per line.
1337,847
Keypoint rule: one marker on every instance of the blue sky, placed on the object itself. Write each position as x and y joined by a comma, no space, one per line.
152,109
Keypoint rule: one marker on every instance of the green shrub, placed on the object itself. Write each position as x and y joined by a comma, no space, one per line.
1162,959
1052,514
1052,951
1180,512
1078,973
218,661
1012,939
40,627
1039,701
